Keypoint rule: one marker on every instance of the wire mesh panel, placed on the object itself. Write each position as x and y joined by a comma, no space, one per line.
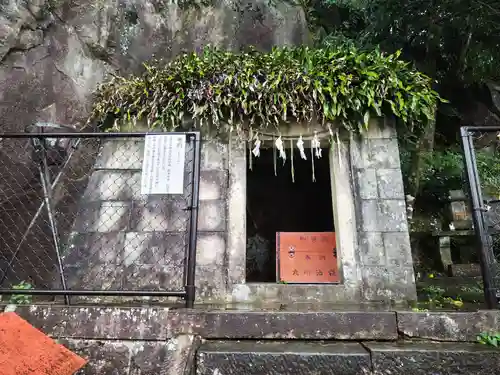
482,157
74,220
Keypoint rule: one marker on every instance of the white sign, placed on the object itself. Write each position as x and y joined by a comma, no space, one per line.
163,164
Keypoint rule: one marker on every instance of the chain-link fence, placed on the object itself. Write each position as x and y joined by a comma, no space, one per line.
74,222
481,147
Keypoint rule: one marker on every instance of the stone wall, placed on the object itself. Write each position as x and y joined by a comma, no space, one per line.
141,239
123,240
384,244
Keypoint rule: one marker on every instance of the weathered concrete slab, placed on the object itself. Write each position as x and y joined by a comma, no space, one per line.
173,357
448,326
102,323
425,358
302,325
162,323
279,358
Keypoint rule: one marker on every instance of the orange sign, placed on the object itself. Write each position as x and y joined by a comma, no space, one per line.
307,257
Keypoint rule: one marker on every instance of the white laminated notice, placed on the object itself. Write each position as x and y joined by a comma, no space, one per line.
163,164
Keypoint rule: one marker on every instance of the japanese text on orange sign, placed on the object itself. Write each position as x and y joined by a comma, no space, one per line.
307,257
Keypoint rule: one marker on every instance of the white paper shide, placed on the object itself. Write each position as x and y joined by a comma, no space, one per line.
163,164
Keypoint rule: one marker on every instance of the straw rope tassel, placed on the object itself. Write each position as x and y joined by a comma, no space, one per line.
312,161
274,155
250,136
291,160
338,149
250,161
229,148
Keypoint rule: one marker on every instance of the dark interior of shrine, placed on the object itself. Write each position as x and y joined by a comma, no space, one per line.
276,203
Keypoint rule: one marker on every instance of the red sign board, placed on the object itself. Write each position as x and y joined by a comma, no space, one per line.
307,257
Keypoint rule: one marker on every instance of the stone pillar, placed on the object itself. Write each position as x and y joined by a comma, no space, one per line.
211,262
385,259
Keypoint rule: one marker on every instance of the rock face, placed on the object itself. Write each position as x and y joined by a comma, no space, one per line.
53,53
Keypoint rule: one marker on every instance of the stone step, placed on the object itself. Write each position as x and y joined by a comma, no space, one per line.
451,281
425,358
282,358
464,270
334,358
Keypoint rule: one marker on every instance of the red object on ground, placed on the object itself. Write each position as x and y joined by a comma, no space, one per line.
24,350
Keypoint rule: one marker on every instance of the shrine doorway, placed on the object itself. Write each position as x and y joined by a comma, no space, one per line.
282,198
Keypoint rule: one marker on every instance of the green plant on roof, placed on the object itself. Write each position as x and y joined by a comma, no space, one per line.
338,85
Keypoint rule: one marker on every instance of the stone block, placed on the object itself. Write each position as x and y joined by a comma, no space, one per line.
360,153
391,216
383,154
372,251
210,249
85,248
424,358
384,283
94,276
210,283
113,185
115,323
383,215
390,184
367,183
401,285
121,154
465,270
368,221
109,357
314,325
103,217
246,358
104,357
448,326
154,248
397,249
213,184
175,356
213,155
375,282
212,216
380,128
160,214
272,293
153,277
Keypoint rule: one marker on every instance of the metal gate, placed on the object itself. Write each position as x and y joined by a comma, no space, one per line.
484,192
74,223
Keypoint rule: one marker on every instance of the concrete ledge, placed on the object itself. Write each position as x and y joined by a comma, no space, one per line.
302,325
312,293
173,357
421,358
448,326
161,323
263,358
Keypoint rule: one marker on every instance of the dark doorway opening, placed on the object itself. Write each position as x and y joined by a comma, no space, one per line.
277,204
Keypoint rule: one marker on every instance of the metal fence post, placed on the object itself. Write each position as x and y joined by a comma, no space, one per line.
193,224
486,256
